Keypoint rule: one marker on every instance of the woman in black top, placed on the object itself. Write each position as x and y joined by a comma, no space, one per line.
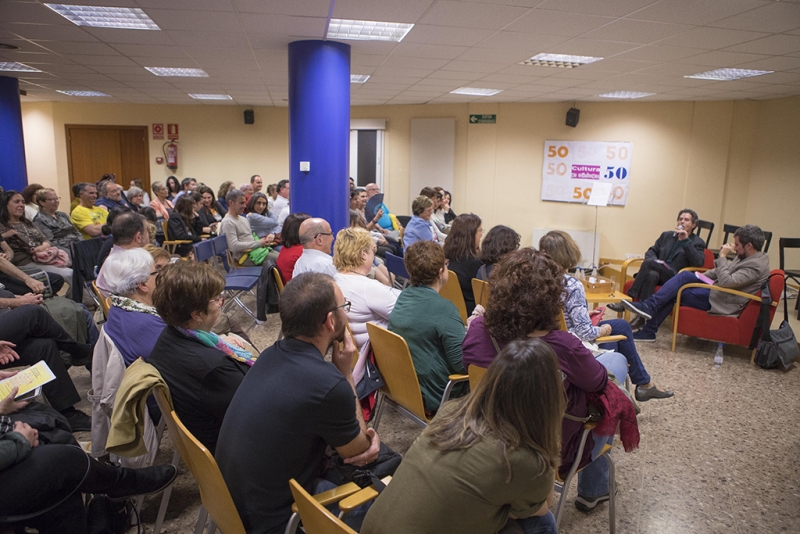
203,370
462,249
184,225
499,241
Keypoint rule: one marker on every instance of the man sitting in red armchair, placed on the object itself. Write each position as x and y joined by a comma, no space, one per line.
747,273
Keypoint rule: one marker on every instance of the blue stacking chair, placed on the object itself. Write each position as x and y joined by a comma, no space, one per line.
236,283
395,265
220,244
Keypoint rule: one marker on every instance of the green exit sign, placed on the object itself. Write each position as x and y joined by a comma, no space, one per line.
483,119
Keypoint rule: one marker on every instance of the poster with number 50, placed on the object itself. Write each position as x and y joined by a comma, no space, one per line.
571,168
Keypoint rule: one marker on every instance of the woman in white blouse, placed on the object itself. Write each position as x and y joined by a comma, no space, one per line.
370,299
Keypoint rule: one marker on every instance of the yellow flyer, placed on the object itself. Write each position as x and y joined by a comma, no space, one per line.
27,380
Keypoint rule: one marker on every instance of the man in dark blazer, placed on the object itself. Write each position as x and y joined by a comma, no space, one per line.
674,250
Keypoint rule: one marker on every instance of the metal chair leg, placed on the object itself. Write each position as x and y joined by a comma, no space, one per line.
378,411
612,495
201,521
162,510
291,526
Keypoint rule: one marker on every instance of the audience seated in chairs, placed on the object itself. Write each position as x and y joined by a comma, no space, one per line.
42,484
106,233
487,459
317,239
384,246
525,301
430,324
262,222
291,406
128,232
237,231
222,192
563,250
53,224
292,247
203,370
371,299
86,217
19,282
184,224
161,203
499,241
30,247
462,249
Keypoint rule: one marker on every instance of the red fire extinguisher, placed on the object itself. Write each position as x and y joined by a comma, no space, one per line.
171,153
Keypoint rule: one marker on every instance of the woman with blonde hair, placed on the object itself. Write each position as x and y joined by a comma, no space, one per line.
486,462
563,250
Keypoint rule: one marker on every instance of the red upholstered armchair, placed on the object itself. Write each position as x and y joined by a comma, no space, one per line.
734,330
627,283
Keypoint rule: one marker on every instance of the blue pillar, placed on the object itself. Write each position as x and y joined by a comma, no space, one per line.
319,130
13,171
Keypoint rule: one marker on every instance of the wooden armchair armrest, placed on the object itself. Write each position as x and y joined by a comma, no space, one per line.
627,263
361,497
458,378
694,269
333,495
452,381
610,339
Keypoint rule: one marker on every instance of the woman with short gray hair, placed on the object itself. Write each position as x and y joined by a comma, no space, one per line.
133,323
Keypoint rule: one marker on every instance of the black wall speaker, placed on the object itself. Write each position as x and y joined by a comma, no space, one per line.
572,117
250,117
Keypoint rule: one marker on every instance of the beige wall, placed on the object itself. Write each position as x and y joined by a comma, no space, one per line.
731,161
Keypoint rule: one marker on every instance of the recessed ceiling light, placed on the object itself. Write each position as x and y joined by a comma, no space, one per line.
368,30
82,93
16,67
128,18
210,97
475,91
727,75
359,78
559,60
178,72
625,94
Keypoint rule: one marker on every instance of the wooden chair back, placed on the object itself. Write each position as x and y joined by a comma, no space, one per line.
562,322
214,492
105,302
480,288
475,376
316,518
397,369
276,274
452,292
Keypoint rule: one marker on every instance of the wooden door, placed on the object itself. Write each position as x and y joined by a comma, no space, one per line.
93,151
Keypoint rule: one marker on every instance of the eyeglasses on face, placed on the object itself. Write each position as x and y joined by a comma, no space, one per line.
323,233
345,307
219,299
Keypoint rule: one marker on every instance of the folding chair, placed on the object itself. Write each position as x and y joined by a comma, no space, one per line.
84,260
237,281
221,249
105,302
395,265
402,386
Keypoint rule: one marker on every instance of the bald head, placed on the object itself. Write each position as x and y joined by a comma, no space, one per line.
372,190
315,233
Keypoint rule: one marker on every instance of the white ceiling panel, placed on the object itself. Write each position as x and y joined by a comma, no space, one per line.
471,15
494,55
711,38
405,62
154,51
616,8
660,53
774,44
182,5
31,12
771,17
700,12
58,32
113,35
74,47
772,63
304,8
221,39
637,31
476,67
444,35
721,58
522,41
405,11
432,51
557,23
591,47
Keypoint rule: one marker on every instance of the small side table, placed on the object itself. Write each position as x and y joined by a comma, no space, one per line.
594,299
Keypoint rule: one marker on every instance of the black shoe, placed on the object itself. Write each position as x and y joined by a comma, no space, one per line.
641,335
78,421
616,306
81,355
637,322
587,504
636,307
142,481
643,394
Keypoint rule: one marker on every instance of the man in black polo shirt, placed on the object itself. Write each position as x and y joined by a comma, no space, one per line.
291,405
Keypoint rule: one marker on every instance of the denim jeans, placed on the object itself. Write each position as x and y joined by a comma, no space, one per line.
627,348
545,524
593,480
616,363
661,303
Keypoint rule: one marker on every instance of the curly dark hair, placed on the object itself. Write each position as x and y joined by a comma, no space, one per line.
499,241
460,243
526,295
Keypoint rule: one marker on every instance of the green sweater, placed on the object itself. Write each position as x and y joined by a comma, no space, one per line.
432,327
14,447
459,491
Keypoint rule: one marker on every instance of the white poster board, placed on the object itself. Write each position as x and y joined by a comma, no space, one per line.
571,168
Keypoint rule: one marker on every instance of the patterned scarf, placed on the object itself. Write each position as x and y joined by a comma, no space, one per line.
128,304
210,339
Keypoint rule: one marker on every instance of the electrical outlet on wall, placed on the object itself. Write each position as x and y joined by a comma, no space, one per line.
632,256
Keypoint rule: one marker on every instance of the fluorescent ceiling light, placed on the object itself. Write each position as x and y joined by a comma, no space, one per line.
559,60
359,78
625,94
368,30
16,67
475,91
82,93
726,75
178,72
210,97
128,18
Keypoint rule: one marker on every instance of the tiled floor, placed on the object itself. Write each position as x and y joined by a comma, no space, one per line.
723,455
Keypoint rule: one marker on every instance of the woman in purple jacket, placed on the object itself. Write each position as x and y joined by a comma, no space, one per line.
525,301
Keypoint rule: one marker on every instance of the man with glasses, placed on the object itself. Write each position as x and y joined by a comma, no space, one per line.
291,406
317,239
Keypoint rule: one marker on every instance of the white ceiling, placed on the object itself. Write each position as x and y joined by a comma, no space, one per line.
648,45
